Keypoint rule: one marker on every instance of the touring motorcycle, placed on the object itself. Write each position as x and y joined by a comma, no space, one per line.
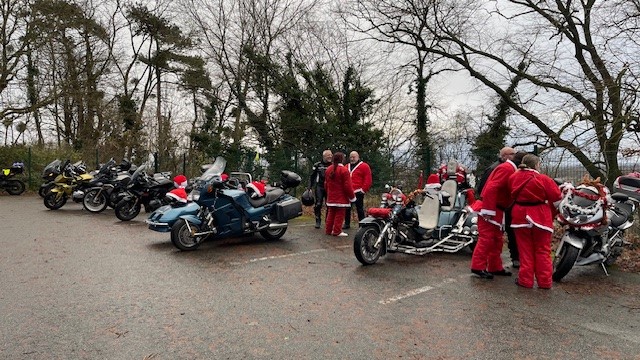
72,181
443,222
594,223
218,210
106,186
8,181
143,190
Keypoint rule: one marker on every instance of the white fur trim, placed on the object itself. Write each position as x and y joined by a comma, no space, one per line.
176,197
339,205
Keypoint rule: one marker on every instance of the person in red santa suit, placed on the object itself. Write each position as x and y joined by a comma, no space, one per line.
340,195
535,200
361,179
486,261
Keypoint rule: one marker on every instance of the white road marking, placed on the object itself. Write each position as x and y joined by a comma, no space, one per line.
266,258
418,291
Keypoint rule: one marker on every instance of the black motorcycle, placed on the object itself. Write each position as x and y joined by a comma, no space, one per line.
9,183
106,186
142,190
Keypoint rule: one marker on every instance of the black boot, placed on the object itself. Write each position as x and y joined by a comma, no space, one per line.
317,223
483,274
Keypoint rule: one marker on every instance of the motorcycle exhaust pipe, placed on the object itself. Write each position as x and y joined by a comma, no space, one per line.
277,225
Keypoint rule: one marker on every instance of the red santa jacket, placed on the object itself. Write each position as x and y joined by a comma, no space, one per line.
360,176
534,196
337,183
495,194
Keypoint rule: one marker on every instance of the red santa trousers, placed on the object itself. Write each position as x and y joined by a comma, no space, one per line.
534,246
335,218
486,255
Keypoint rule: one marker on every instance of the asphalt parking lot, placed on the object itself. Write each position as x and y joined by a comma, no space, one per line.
75,285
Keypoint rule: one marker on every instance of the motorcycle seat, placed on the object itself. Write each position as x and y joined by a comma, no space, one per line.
429,212
451,187
271,196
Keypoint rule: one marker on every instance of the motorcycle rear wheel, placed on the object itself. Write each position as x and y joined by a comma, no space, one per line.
127,210
363,245
95,201
273,234
564,261
55,200
181,236
15,187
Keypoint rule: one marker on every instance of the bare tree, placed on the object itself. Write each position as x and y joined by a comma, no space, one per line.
574,61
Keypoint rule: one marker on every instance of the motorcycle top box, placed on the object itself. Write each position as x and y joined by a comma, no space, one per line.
628,185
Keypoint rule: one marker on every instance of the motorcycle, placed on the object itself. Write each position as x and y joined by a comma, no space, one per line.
72,182
163,219
218,211
49,174
594,227
443,222
9,183
142,190
106,186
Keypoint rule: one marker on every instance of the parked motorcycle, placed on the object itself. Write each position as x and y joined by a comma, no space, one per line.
106,186
8,181
441,223
163,219
142,190
594,226
49,174
221,212
71,182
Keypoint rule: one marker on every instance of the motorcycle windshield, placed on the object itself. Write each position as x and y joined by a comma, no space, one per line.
104,169
53,166
215,170
136,174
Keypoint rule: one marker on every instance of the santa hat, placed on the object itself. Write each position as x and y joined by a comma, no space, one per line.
257,187
180,181
178,194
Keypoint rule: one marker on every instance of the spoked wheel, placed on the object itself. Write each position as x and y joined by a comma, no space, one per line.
364,245
127,209
15,187
182,238
564,261
55,200
273,234
95,200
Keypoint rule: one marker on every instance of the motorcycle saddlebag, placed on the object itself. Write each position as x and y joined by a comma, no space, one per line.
628,185
288,209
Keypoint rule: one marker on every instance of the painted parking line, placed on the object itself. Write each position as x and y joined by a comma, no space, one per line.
276,257
419,291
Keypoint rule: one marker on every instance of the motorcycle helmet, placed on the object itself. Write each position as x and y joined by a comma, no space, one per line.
307,198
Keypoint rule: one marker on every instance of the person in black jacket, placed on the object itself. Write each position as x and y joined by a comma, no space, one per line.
506,153
317,179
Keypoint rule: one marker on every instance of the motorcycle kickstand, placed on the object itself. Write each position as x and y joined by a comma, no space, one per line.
604,268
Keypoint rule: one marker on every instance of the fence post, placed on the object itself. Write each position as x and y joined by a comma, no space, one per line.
156,161
97,160
29,161
184,164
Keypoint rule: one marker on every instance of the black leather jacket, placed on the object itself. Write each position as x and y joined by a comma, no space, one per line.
317,174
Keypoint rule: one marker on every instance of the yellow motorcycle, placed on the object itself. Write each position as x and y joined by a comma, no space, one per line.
72,182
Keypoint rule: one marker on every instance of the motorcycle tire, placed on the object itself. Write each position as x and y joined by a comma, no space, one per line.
181,236
273,234
55,200
127,210
564,261
363,245
44,189
95,201
15,187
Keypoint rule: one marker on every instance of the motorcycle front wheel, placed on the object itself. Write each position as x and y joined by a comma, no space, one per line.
15,187
181,236
95,200
44,189
363,245
127,209
55,200
564,261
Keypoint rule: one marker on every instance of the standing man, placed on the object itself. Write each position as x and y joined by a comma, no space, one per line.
505,154
361,180
486,261
317,179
